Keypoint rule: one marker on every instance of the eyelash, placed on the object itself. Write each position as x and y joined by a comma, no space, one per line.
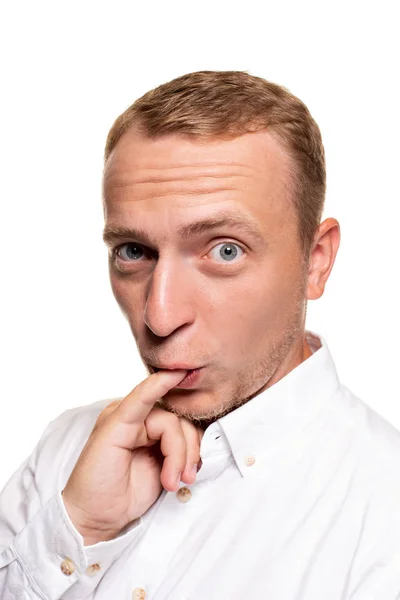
118,248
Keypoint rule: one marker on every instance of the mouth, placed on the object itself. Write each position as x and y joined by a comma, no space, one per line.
174,368
192,376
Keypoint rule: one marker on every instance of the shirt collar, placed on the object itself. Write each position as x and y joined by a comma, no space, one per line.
278,413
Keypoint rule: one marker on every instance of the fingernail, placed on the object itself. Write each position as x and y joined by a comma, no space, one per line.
193,472
178,480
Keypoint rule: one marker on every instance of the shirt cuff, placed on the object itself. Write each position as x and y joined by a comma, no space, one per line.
52,552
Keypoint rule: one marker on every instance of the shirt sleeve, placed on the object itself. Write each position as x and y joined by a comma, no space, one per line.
42,555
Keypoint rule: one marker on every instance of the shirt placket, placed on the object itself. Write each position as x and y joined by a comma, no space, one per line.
175,515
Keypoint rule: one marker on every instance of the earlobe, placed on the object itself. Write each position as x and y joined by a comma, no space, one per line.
322,257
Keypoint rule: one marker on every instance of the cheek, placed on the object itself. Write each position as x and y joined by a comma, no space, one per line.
260,304
117,289
241,312
127,297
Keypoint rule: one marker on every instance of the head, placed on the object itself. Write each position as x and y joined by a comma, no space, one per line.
214,188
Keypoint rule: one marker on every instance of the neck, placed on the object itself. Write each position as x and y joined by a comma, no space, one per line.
306,350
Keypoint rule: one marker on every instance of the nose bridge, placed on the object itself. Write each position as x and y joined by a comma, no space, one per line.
169,302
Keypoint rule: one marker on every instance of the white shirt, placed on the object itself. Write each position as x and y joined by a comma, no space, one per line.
298,498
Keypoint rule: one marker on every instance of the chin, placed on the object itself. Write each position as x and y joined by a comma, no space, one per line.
194,405
187,401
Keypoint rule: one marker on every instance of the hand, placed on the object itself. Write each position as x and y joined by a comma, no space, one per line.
119,474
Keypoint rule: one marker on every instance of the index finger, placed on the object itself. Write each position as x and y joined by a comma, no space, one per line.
135,407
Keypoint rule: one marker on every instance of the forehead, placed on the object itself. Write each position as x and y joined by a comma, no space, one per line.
173,173
135,155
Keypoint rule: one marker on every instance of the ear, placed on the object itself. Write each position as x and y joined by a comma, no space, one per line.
322,257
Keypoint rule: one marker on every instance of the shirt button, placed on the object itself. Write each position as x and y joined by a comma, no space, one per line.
138,594
92,570
184,494
250,460
67,566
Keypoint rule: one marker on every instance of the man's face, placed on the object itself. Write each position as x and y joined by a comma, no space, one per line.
228,298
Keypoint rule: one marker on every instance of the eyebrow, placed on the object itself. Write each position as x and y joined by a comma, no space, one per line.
112,234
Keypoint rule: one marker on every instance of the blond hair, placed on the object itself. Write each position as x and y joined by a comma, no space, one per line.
227,104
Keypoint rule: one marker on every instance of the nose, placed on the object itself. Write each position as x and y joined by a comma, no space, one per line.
170,302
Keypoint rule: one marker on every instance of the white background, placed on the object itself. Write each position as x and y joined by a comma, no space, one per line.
68,69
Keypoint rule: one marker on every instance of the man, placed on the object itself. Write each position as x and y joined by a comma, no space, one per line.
241,467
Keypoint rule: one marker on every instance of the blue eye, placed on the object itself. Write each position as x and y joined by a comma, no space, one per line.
130,251
134,252
228,251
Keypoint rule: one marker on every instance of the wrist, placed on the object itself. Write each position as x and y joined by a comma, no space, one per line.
92,533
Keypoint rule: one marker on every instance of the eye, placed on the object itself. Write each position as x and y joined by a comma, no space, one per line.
228,251
129,252
134,252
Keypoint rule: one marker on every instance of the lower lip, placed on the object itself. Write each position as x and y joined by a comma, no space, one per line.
191,379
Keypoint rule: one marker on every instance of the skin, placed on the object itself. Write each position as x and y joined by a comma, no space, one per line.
244,319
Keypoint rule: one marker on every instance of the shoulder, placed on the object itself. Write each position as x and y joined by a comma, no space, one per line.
74,423
372,451
375,437
79,417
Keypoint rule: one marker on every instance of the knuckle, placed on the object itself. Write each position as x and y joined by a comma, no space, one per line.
189,430
162,417
103,418
109,409
142,439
